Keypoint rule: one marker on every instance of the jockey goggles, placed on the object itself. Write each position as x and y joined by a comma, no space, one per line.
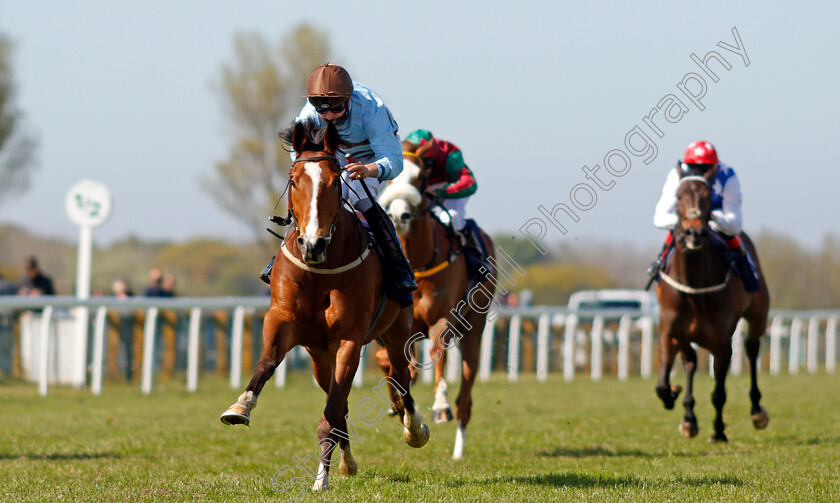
335,109
697,167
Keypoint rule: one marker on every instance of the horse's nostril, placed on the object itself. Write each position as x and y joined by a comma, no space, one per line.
320,245
405,216
300,240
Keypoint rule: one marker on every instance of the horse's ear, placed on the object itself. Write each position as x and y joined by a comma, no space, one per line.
298,137
680,170
710,175
407,146
423,149
331,139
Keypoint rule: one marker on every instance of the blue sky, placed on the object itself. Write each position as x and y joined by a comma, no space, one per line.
122,93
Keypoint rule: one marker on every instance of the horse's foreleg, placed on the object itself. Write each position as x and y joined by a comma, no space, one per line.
323,376
719,394
668,348
689,427
470,350
332,428
441,410
415,432
277,341
758,415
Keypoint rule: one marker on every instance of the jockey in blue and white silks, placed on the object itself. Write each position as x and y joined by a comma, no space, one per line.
726,202
726,217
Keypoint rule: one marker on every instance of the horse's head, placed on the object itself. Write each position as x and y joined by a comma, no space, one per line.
694,207
314,187
403,198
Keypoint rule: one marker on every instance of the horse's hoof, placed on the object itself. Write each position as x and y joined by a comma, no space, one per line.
419,440
760,419
718,438
236,414
321,484
391,412
348,469
689,430
442,416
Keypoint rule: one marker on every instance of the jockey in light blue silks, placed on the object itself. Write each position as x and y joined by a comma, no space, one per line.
370,150
726,220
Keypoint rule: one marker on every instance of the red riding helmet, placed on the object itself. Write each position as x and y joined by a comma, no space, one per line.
700,152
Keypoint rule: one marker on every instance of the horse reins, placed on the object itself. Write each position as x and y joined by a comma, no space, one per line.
363,254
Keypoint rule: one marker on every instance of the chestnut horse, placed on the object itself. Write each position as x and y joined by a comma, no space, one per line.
330,304
701,301
441,306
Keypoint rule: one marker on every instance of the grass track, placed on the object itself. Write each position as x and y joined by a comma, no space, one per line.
555,441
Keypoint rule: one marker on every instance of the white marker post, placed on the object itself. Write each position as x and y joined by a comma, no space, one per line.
88,205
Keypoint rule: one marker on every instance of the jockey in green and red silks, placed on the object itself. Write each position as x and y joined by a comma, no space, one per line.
452,183
449,178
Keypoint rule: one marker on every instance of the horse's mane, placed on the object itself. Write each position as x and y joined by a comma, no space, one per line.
314,134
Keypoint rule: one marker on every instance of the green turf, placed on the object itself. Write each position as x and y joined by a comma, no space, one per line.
555,441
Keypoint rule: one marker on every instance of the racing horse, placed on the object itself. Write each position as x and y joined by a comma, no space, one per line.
701,301
442,305
332,303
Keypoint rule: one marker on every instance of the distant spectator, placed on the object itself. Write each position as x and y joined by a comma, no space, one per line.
7,287
121,289
35,282
155,287
168,286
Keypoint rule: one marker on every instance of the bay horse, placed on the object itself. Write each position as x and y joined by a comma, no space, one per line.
701,301
330,303
441,308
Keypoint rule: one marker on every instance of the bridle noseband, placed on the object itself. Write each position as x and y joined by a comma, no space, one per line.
693,213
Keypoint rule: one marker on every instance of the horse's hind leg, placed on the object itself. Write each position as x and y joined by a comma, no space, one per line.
758,415
470,350
441,410
689,427
385,364
277,340
722,359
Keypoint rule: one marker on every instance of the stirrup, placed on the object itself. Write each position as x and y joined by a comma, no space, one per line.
265,275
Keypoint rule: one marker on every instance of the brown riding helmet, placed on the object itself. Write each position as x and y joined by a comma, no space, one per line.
328,85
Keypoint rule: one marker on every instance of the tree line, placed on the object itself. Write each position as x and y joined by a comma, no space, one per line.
798,277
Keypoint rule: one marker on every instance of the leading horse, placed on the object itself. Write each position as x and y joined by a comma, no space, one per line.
701,302
331,304
442,307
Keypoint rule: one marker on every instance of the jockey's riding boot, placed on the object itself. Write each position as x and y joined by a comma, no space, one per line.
389,244
476,261
265,275
745,267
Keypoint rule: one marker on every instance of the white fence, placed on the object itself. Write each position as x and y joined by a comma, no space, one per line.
545,339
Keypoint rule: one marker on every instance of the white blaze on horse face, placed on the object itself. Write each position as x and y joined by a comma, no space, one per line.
310,234
398,208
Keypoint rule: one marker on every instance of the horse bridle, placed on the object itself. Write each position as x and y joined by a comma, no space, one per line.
693,213
291,183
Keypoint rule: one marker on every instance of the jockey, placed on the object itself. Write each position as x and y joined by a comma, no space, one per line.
701,157
370,151
452,183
